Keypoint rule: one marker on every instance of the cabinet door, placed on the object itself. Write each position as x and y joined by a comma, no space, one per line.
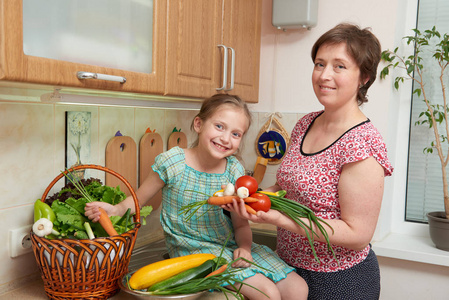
194,60
17,65
242,23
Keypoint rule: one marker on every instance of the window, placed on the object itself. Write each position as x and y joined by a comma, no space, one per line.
424,184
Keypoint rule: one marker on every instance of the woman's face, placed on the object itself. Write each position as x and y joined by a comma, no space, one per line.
336,76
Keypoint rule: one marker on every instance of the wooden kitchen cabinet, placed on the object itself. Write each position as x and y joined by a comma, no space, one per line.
17,66
188,50
197,32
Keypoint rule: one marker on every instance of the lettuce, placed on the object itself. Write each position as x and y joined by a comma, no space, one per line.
68,206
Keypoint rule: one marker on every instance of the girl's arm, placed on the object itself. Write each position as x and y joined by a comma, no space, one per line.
244,240
360,192
152,184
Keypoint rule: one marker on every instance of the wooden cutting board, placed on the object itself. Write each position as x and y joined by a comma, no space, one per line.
177,139
151,145
260,168
121,157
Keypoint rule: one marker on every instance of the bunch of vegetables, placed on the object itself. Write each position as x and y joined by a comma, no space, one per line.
62,215
185,275
246,189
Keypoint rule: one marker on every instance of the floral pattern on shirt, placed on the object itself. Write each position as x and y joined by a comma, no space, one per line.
312,180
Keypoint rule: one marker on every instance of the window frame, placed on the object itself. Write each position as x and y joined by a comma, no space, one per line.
395,237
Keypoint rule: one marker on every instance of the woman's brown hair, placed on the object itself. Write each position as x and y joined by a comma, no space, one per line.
362,45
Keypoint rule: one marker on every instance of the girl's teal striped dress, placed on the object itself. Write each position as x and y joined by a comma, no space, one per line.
205,232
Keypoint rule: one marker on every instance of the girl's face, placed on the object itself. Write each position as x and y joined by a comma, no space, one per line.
336,76
221,134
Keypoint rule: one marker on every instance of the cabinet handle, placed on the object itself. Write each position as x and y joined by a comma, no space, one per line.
90,75
225,67
232,68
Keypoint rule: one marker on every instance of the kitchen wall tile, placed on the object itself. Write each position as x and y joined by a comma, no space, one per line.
248,151
27,151
149,118
21,268
180,120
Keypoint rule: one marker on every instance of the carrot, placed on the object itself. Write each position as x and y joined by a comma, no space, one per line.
221,200
217,271
250,200
250,210
106,223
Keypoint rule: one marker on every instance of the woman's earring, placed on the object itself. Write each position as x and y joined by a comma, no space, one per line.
360,86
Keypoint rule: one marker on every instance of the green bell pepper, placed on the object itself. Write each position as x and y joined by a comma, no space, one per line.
43,210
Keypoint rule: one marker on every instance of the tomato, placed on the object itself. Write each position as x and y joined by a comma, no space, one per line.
264,203
247,181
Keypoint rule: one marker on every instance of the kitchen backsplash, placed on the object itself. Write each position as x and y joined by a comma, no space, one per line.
32,151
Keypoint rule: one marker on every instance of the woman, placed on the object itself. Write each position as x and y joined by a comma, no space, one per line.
335,165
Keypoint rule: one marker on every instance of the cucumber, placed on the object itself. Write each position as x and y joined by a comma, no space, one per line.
193,273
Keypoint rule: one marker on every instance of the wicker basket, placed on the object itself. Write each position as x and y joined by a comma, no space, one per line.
85,269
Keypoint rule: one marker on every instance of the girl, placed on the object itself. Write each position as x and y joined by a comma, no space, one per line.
209,164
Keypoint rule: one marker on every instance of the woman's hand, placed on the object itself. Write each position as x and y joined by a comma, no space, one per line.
240,252
93,213
238,207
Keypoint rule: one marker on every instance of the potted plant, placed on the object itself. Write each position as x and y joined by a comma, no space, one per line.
435,116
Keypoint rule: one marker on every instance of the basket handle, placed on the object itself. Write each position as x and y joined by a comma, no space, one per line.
101,168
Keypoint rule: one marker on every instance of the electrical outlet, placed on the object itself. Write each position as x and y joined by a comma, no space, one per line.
19,241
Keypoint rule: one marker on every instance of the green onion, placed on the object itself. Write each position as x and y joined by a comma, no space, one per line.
79,186
192,208
296,212
89,231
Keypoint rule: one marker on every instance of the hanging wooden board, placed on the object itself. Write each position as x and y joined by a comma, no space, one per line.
260,168
272,143
121,157
151,145
177,138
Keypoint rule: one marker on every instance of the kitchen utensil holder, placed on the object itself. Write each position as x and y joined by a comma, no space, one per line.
85,269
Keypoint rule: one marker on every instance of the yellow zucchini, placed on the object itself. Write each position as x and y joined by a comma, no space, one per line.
161,270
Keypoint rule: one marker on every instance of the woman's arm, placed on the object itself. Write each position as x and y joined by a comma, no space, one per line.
360,191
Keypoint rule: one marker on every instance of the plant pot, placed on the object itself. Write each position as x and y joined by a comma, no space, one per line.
439,229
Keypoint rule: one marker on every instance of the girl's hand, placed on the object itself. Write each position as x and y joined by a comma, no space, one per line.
240,252
91,210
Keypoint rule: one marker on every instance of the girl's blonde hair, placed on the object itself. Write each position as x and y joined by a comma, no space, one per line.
212,104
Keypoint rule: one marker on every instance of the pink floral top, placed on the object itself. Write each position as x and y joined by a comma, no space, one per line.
312,180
